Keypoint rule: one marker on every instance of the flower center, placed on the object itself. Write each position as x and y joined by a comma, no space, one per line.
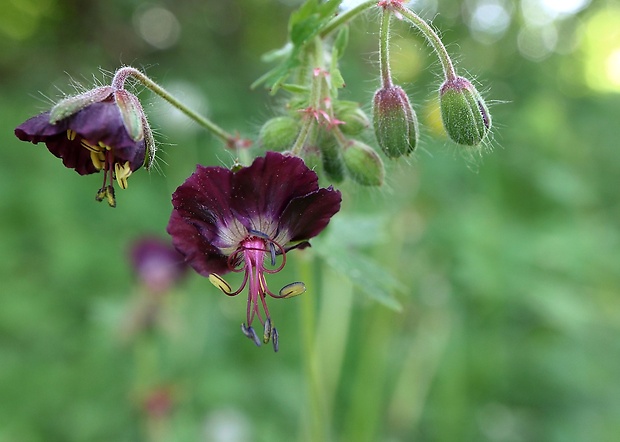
257,255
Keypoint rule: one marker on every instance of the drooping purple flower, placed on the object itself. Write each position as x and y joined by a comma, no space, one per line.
246,221
104,129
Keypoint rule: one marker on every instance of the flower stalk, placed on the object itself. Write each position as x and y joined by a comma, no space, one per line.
427,31
124,73
384,54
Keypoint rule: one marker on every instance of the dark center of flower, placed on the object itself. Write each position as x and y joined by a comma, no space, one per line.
256,256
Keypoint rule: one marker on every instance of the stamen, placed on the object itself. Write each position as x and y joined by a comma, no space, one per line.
104,146
122,173
267,331
217,281
272,250
110,196
291,290
274,335
71,134
106,192
251,334
90,147
95,157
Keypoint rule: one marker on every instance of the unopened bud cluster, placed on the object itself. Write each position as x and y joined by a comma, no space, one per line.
330,133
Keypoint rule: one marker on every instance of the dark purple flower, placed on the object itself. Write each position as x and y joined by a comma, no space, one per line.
157,264
246,221
102,129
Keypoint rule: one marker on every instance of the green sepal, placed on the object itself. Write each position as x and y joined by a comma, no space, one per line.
72,105
131,113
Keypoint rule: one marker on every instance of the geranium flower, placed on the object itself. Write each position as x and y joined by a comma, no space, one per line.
246,221
102,129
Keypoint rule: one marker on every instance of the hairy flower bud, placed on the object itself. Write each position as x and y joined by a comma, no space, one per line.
464,113
395,122
355,119
278,133
363,164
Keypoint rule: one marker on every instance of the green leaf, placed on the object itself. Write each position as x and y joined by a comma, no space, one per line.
365,273
342,40
304,25
340,249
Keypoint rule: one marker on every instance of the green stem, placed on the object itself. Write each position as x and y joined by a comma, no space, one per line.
123,73
431,36
346,16
315,98
316,420
384,49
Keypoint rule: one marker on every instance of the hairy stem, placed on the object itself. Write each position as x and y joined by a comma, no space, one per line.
431,36
124,73
384,51
341,19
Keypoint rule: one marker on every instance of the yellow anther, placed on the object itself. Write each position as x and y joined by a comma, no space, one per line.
122,173
107,193
293,289
103,146
110,197
71,134
217,281
95,157
90,147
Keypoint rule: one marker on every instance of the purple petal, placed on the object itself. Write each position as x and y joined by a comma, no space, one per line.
204,200
306,216
195,247
203,204
103,122
262,191
38,128
73,155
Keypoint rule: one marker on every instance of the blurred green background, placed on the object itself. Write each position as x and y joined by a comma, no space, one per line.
504,269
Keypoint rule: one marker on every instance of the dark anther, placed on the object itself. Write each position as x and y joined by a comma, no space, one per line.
251,334
274,336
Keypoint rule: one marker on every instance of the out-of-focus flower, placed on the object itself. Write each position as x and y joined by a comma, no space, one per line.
104,129
157,264
246,221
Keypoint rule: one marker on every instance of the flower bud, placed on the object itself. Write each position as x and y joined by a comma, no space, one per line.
279,133
355,119
464,113
363,164
396,124
330,156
